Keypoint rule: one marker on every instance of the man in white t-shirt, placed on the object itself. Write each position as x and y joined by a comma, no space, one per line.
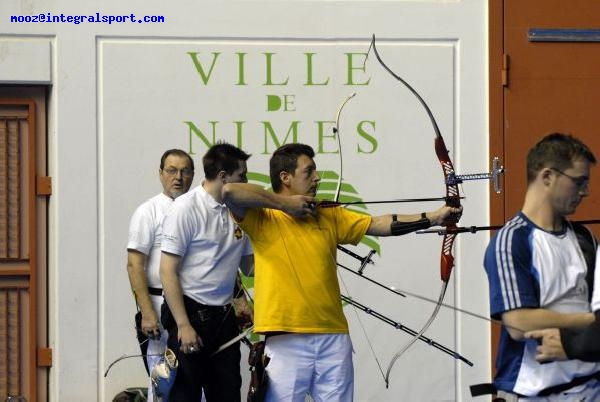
202,250
176,173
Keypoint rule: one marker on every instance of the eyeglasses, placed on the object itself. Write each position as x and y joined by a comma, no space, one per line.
579,181
174,172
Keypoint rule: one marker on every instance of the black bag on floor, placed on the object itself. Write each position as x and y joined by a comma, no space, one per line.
132,395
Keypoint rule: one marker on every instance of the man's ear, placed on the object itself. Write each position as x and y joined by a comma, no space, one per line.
546,175
222,176
284,177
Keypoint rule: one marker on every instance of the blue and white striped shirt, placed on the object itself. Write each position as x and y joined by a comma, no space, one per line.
529,267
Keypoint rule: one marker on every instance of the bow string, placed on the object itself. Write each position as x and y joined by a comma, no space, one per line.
336,202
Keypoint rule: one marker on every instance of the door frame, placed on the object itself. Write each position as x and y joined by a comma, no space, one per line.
497,79
39,357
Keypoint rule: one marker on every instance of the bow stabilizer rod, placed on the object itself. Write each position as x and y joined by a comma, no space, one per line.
406,329
445,305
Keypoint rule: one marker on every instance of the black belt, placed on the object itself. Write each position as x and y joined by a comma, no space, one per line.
204,307
204,312
155,291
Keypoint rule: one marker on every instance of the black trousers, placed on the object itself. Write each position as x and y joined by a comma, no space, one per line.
217,376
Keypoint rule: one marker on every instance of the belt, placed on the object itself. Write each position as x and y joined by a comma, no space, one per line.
205,313
155,291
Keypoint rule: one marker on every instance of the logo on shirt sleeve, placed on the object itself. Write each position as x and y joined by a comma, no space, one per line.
238,232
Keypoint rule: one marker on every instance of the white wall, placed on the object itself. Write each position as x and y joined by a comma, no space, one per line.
121,94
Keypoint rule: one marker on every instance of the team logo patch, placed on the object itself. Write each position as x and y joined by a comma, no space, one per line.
238,232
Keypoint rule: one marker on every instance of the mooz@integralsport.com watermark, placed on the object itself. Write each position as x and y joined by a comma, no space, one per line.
92,18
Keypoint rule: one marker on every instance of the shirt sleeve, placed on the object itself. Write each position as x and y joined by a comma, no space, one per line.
247,246
583,345
141,230
178,230
252,221
351,226
508,263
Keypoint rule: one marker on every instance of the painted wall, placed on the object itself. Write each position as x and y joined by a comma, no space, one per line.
258,74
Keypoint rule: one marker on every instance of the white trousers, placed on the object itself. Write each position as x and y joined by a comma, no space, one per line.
156,347
319,365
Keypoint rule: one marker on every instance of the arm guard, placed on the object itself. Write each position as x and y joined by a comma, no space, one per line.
401,228
582,345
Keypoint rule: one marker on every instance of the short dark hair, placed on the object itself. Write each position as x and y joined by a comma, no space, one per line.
222,157
176,152
556,150
285,159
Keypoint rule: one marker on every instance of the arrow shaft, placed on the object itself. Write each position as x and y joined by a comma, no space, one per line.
474,229
373,281
325,203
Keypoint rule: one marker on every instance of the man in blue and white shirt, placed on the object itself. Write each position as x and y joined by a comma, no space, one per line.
537,276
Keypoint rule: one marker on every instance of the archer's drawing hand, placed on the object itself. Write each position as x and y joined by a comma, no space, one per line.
299,205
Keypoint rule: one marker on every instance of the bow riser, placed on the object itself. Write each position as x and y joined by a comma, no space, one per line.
446,258
453,196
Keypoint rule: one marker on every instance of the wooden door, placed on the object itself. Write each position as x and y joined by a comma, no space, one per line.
24,356
544,77
548,52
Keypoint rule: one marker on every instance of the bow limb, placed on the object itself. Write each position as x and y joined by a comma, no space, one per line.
336,129
453,199
335,201
446,265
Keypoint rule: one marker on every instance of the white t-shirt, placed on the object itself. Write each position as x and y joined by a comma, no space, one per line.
211,245
145,234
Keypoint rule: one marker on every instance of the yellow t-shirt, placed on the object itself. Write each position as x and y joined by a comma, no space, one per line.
296,285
